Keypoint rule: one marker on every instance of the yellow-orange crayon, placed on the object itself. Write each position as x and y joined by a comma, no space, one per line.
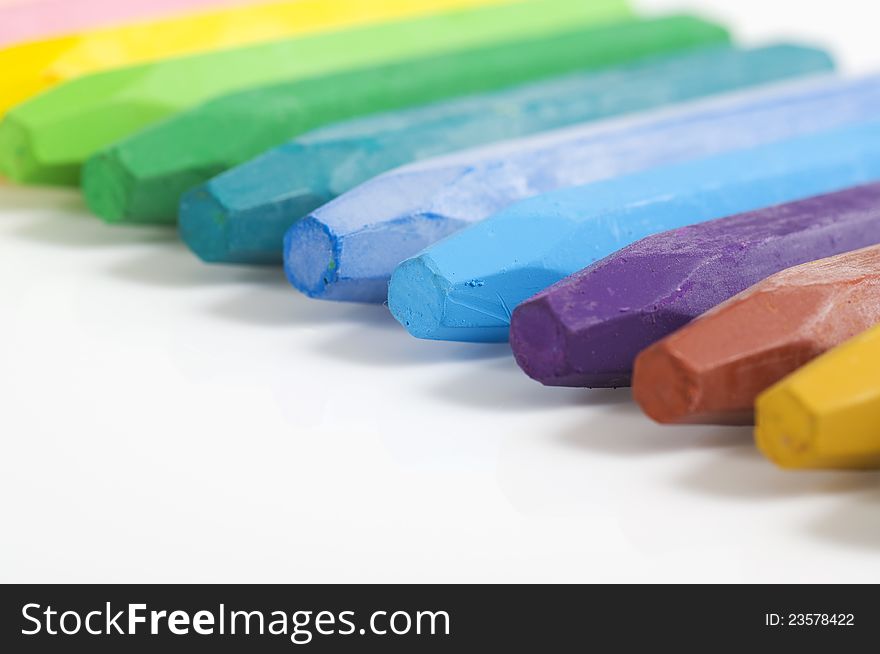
827,414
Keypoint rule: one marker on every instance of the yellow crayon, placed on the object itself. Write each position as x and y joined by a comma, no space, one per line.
29,68
827,414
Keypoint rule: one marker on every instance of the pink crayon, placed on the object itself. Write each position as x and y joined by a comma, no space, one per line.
29,20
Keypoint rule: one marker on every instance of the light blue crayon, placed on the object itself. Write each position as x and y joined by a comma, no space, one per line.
347,249
465,287
241,215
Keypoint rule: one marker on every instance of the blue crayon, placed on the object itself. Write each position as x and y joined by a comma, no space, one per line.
347,249
241,215
465,287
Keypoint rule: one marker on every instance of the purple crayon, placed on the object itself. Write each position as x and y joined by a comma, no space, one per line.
588,329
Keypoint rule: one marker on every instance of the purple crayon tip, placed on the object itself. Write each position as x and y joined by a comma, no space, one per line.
588,329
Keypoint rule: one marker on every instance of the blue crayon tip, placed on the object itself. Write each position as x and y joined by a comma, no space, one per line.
425,292
350,261
434,302
311,256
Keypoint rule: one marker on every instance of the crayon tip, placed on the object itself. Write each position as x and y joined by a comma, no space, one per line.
203,224
107,184
668,390
239,217
311,257
17,158
785,428
425,299
315,265
538,341
328,259
124,184
565,336
552,352
417,297
703,374
825,414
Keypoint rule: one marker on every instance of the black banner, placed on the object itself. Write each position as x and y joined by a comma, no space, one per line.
430,618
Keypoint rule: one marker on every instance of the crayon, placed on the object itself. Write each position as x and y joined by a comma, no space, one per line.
47,138
30,68
588,329
826,414
241,216
712,370
141,179
348,249
466,286
22,20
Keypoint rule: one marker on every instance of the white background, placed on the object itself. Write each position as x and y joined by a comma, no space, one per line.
163,420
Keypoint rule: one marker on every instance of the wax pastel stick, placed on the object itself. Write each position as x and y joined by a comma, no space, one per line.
826,414
141,179
588,329
259,200
350,246
466,286
22,20
30,68
712,370
47,138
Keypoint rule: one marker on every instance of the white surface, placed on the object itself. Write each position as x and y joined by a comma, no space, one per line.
162,420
